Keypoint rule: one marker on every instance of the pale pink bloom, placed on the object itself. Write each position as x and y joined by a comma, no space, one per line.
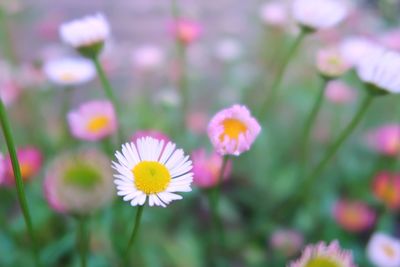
275,13
197,122
353,216
207,168
383,250
228,49
93,120
287,241
30,163
339,92
385,139
233,130
151,133
148,57
331,63
186,31
391,39
324,255
354,49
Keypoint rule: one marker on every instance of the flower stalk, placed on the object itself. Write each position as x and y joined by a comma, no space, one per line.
135,230
83,239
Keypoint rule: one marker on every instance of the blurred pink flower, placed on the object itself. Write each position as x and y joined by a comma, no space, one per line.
151,133
385,139
148,57
30,161
186,31
391,39
207,168
339,92
353,216
9,89
197,122
331,63
287,241
233,130
386,188
356,48
275,13
93,120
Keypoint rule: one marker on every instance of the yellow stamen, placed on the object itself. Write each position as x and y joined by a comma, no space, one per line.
26,170
322,262
388,250
98,123
151,177
68,77
233,128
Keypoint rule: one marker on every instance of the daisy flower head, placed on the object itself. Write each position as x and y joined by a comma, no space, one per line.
287,241
232,131
152,170
379,71
385,139
384,250
93,121
148,57
339,92
274,13
322,254
87,34
353,216
69,71
186,31
319,14
156,134
331,63
356,48
79,182
386,188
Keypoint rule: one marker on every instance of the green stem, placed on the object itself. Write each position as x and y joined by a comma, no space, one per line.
83,240
305,140
271,95
336,145
8,135
183,79
6,36
135,230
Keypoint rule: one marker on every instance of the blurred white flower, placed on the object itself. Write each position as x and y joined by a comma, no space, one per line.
228,49
274,13
356,48
319,14
168,97
331,63
148,57
384,250
380,68
69,71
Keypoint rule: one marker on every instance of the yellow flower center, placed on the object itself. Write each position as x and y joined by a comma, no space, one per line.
322,262
26,170
233,128
68,77
97,123
151,177
389,250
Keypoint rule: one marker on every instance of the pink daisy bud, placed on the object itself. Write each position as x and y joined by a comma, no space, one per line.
275,13
93,120
232,131
331,63
287,241
151,133
186,31
30,162
386,188
207,168
385,139
353,216
339,92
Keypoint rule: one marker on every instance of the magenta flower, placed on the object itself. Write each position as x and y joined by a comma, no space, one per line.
232,131
353,216
385,139
93,120
151,133
207,168
287,241
186,31
339,92
30,161
2,168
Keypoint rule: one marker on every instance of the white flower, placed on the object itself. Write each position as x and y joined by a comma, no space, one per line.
381,68
85,32
69,71
228,49
274,13
356,48
319,14
149,169
384,250
148,57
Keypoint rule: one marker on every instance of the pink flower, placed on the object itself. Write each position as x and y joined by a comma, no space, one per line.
151,133
93,120
386,188
275,13
331,63
233,130
30,162
339,92
324,255
197,122
207,168
186,31
287,241
148,57
353,216
385,139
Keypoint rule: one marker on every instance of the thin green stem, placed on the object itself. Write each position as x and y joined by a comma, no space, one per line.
337,144
8,135
183,83
83,240
271,95
135,230
310,121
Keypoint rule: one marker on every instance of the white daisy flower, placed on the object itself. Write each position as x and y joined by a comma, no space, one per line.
319,14
149,169
380,68
384,250
69,71
89,32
